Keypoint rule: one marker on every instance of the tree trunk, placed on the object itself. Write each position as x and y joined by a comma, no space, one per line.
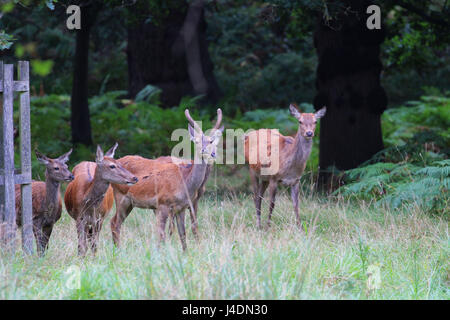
80,120
171,53
348,84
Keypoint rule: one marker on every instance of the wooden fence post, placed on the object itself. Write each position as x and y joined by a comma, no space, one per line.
7,158
8,176
2,190
25,161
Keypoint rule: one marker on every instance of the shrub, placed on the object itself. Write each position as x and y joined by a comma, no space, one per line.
414,169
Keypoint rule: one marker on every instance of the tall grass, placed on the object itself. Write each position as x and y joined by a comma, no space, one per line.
234,260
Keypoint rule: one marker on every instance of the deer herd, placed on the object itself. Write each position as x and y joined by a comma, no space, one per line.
167,185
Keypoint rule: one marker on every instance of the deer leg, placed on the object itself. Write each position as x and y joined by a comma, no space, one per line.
123,209
294,196
162,213
47,232
42,235
181,228
171,224
256,194
194,221
82,237
95,234
272,194
37,230
262,188
255,184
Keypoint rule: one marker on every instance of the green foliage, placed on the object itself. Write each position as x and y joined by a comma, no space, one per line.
6,40
255,65
402,185
50,128
414,169
41,67
431,113
149,94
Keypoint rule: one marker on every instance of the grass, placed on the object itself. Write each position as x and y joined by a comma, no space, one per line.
344,246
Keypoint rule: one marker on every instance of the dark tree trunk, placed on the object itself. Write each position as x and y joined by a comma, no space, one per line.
171,54
80,120
348,83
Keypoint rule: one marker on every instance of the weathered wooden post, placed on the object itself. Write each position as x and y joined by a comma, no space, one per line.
8,176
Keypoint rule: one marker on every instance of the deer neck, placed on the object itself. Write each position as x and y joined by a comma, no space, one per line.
51,194
301,149
197,175
96,190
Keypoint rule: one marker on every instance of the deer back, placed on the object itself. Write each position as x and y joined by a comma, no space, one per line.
159,182
38,194
257,156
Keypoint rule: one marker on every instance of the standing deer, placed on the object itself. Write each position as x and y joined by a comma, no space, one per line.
89,197
168,159
167,188
292,157
46,198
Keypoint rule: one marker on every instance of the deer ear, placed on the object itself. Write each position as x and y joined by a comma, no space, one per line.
110,152
41,158
319,114
99,157
65,157
294,111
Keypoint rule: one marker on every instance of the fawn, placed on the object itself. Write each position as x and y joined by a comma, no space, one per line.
46,198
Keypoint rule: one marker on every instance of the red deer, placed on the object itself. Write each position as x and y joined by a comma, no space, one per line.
293,152
89,197
46,198
168,188
168,159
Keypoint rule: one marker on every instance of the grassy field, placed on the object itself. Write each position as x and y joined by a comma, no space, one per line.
347,251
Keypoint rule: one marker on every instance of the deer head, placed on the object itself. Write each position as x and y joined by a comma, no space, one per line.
206,145
56,169
306,121
110,170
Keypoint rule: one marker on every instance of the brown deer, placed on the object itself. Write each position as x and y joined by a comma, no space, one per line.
167,188
168,159
89,197
293,152
46,198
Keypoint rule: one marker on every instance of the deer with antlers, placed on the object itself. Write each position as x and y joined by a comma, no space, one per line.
164,186
89,197
169,159
293,152
46,198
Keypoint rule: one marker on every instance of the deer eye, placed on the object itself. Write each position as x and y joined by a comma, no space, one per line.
56,168
112,166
